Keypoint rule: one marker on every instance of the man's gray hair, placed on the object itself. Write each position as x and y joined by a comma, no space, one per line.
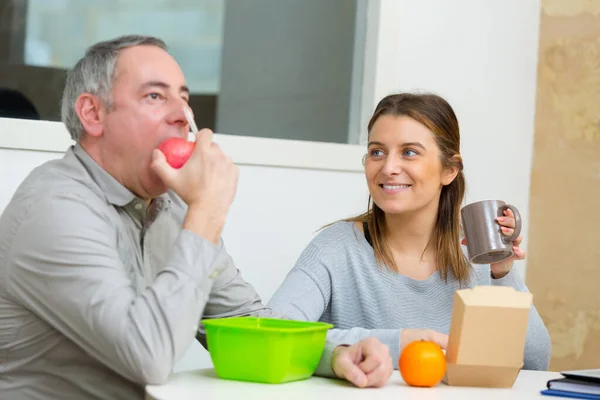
95,74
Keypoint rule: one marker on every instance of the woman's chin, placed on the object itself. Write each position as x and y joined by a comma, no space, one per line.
393,208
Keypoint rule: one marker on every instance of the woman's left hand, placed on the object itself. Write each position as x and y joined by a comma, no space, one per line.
507,225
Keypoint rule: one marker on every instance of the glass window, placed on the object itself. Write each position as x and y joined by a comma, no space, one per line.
270,68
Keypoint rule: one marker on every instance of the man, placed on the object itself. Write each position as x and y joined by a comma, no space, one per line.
110,258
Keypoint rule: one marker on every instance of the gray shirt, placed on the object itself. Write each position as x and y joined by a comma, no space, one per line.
100,294
338,280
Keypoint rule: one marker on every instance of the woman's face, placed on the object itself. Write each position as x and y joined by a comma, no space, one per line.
403,169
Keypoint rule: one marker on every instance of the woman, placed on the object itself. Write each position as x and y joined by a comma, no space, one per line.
392,271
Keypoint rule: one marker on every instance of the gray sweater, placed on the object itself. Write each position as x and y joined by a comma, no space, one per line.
337,280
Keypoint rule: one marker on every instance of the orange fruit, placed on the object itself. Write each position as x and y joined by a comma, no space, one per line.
422,364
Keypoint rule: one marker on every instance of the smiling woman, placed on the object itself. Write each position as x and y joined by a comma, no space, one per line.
414,175
392,271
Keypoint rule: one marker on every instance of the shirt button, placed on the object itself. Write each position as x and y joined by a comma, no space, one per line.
138,206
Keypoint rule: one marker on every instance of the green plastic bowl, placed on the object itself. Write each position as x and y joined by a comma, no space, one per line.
265,350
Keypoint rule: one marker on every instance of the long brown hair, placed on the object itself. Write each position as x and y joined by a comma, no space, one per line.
438,116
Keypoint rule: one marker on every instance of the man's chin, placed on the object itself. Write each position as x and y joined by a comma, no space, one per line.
157,191
155,188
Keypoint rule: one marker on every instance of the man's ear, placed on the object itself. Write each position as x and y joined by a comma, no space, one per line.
449,173
91,112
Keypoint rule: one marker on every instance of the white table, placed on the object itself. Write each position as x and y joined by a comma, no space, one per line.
204,384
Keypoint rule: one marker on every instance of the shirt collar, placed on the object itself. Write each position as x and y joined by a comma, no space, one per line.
114,192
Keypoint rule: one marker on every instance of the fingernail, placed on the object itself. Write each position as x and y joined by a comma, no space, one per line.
504,228
500,219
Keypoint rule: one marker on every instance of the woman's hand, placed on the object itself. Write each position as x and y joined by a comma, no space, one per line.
507,225
409,335
364,364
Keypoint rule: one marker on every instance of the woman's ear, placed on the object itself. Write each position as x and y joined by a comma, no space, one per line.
90,110
451,171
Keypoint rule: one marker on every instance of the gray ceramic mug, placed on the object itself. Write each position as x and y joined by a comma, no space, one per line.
486,243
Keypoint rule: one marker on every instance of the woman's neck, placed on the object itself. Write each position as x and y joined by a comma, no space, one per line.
410,234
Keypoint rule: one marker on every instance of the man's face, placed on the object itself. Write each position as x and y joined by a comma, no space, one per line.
148,97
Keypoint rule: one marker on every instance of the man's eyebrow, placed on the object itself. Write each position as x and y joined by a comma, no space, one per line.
164,85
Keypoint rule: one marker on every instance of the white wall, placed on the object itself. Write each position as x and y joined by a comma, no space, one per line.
276,211
482,57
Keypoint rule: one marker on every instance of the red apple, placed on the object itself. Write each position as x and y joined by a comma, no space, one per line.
176,150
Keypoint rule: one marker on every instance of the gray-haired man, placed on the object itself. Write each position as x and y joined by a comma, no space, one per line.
109,257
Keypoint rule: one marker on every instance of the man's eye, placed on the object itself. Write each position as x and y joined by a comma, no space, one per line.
155,96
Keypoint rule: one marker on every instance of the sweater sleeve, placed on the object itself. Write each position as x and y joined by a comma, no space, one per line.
306,292
537,341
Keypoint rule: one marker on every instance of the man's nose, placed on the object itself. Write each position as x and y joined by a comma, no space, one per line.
176,114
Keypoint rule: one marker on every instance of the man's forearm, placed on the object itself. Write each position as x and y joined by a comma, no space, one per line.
204,223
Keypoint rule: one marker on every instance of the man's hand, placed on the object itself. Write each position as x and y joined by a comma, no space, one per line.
364,364
207,183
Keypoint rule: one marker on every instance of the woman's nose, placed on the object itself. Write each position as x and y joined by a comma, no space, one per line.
392,166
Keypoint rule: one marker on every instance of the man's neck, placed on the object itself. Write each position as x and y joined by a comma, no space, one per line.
96,154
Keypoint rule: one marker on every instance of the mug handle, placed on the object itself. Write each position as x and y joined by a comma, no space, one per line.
517,215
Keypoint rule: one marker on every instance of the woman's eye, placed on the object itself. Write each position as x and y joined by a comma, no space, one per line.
410,153
375,153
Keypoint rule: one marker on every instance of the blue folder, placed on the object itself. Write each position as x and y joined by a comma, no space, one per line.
571,395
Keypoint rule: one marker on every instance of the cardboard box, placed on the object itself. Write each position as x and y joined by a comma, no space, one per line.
487,336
